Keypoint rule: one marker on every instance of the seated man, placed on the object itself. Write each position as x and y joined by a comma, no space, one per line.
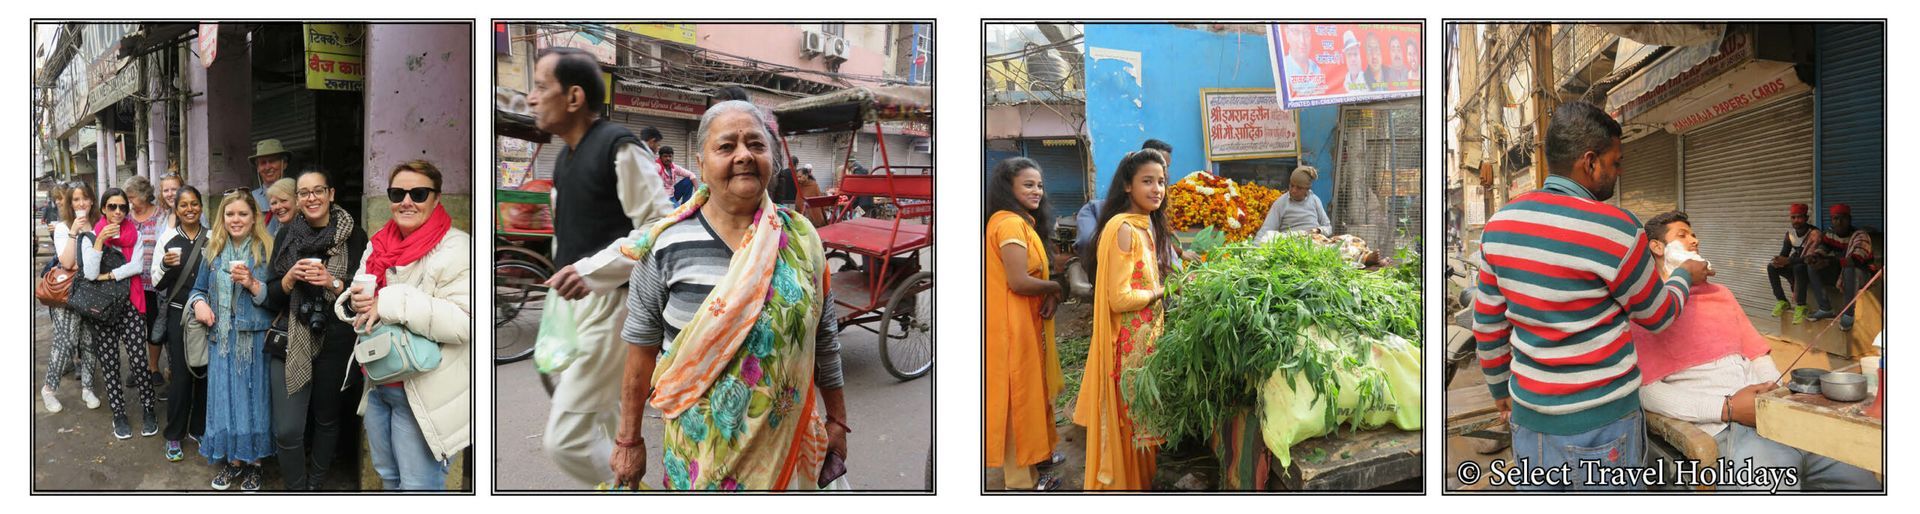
1791,266
1854,249
1707,367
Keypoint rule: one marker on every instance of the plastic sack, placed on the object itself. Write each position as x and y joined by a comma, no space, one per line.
558,343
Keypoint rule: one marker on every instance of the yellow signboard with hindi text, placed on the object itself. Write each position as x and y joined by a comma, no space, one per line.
335,56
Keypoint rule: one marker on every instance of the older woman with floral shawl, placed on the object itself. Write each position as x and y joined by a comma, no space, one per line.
732,331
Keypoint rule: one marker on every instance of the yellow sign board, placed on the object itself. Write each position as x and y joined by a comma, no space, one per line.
334,58
676,32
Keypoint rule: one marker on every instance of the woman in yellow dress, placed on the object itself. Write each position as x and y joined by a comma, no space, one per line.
1128,263
1022,363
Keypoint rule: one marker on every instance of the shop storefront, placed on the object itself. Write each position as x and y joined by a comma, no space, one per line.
1740,175
1726,133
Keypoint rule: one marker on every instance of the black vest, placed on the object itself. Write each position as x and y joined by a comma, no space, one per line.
587,214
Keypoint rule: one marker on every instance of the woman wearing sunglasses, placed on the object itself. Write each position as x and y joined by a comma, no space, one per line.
123,326
419,263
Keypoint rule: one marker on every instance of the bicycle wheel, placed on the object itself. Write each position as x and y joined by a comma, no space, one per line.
519,293
906,330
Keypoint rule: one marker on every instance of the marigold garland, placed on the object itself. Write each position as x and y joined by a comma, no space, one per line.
1206,200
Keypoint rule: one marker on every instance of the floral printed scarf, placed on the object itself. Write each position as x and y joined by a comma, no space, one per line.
736,388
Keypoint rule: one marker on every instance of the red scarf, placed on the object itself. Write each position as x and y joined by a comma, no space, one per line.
129,236
390,249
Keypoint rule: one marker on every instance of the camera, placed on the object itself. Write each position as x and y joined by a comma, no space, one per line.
314,314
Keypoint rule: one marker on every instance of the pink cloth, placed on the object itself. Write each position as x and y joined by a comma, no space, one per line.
129,237
1710,327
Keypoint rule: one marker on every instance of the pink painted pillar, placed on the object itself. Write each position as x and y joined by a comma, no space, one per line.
218,118
419,105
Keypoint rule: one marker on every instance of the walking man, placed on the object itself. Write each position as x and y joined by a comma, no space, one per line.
606,189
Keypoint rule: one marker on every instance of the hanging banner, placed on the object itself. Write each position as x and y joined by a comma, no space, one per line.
335,59
1335,63
1247,124
682,33
207,42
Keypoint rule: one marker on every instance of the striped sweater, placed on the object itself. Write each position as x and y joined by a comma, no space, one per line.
1560,277
1856,246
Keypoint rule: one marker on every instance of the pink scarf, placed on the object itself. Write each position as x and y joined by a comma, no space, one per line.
1711,327
129,236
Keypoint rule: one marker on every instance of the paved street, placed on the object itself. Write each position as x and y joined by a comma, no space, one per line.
891,423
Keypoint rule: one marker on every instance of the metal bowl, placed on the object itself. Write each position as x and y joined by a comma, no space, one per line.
1844,387
1806,380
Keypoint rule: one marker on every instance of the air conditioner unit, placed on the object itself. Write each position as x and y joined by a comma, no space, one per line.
837,49
812,43
923,145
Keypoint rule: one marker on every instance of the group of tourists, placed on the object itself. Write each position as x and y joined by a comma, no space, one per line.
240,312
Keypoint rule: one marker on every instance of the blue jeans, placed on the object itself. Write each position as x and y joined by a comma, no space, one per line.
400,452
1817,473
1620,444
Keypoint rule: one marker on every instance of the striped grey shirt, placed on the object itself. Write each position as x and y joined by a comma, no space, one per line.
667,288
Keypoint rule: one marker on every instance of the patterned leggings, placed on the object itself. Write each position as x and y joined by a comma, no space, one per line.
71,339
123,329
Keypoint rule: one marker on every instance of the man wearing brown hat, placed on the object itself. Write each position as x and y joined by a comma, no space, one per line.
270,160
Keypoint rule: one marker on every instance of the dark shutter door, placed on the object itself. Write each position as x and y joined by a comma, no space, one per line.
1065,174
1851,64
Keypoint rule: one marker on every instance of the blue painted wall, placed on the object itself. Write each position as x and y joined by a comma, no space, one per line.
1176,63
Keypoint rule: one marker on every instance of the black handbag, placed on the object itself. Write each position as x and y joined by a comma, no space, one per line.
96,299
277,337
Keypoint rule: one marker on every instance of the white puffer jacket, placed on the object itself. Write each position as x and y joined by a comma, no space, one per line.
432,297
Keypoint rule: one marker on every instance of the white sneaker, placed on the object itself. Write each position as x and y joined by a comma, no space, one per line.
47,399
93,402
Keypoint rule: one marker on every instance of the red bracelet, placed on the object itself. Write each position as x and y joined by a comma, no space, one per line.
633,443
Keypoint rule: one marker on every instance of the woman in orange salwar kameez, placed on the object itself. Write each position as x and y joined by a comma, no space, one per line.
1127,271
1022,364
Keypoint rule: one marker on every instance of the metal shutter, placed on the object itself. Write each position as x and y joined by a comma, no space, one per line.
1650,175
1377,184
285,112
545,157
1740,175
824,151
1851,63
1065,175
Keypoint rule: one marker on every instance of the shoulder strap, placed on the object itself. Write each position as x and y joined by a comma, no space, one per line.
193,261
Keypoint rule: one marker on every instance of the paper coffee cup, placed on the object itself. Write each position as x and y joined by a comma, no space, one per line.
235,264
175,251
365,282
311,260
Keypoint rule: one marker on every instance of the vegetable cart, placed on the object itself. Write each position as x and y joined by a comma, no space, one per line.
886,285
